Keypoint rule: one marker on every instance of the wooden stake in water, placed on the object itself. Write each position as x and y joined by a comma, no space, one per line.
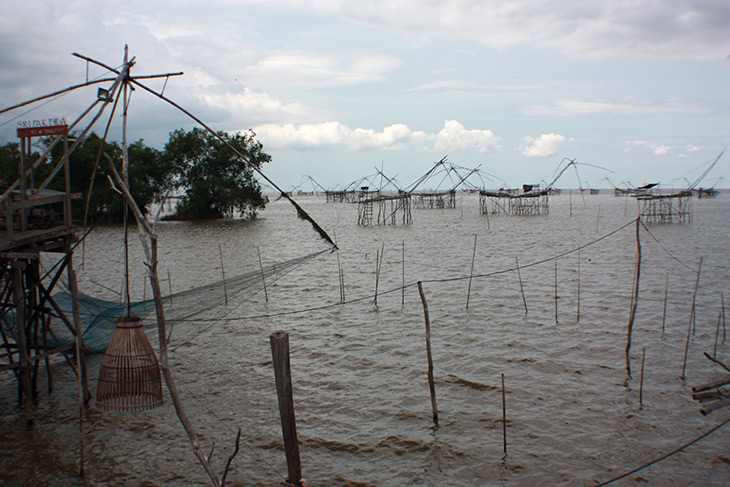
169,285
577,311
722,299
223,273
694,297
282,374
690,327
556,291
598,216
504,419
666,291
431,385
341,278
403,275
641,380
263,278
471,271
378,263
717,334
522,290
634,300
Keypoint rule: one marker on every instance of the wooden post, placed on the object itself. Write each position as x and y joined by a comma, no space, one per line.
471,271
556,292
666,291
691,321
19,298
223,273
403,274
341,278
378,263
169,285
722,300
641,379
598,216
634,300
282,373
431,385
263,278
694,297
717,334
577,310
522,289
504,419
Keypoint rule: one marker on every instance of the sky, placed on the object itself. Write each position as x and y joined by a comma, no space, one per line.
634,91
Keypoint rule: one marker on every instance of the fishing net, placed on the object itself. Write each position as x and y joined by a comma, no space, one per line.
98,317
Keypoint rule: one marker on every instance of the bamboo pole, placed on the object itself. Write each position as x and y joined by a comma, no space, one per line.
598,216
722,299
666,291
282,373
341,278
83,385
717,334
634,300
556,292
149,245
263,278
694,298
504,419
403,275
471,271
577,310
223,273
641,380
378,263
431,385
522,289
690,330
169,285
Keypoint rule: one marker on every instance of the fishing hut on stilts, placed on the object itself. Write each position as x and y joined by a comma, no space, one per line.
529,202
666,208
35,222
672,207
440,199
378,207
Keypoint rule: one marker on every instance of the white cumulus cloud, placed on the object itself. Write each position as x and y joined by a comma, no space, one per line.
543,146
452,137
455,137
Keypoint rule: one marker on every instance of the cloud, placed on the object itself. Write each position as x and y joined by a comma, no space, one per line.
452,137
658,149
544,146
319,69
691,29
562,107
455,137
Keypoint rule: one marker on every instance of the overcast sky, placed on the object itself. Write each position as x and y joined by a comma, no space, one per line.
334,89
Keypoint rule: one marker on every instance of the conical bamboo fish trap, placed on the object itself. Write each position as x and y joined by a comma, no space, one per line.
129,377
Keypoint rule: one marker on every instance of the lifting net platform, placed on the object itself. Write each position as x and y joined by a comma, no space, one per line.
98,317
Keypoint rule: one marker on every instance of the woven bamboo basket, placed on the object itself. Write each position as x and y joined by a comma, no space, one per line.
129,377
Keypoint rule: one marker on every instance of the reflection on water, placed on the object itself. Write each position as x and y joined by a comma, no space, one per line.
359,370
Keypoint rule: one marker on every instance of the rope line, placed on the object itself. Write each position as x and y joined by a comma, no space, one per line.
664,457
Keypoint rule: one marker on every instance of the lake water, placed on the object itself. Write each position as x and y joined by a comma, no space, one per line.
359,369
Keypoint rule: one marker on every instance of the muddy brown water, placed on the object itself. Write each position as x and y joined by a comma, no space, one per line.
359,370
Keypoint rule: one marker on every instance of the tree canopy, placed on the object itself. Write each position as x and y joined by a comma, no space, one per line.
213,180
217,181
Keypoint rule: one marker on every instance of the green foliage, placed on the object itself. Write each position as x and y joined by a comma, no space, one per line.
217,182
9,159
